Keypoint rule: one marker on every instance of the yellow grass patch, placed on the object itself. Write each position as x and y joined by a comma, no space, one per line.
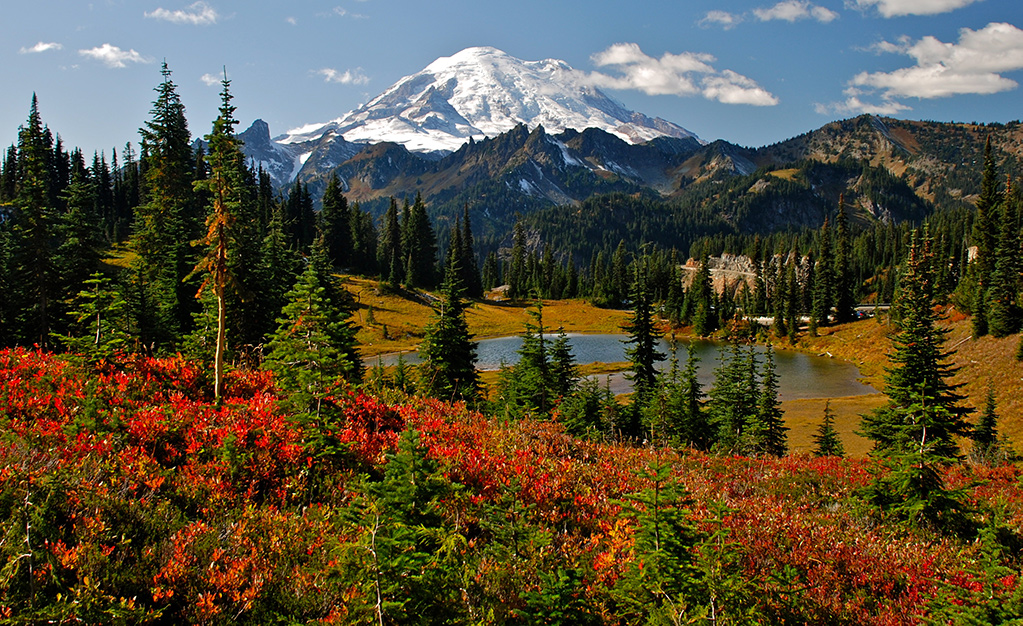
789,174
404,316
804,417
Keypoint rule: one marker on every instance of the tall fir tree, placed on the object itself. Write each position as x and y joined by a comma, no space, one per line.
1004,314
449,371
643,336
165,222
33,236
419,245
335,224
845,299
392,257
923,405
824,279
226,190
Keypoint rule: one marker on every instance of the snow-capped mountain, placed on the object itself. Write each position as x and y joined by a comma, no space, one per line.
477,93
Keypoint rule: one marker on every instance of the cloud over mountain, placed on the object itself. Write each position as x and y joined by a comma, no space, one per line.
974,65
684,74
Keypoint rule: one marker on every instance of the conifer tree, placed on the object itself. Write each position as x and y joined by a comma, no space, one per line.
392,257
77,256
824,279
307,352
335,224
1004,314
845,301
923,406
470,265
419,245
701,301
664,585
765,430
448,351
166,221
827,442
98,325
225,187
643,336
516,279
985,434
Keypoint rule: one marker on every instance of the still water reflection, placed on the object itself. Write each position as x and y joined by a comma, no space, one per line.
800,375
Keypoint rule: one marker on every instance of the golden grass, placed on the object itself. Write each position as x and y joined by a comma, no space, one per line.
789,174
804,417
404,317
119,257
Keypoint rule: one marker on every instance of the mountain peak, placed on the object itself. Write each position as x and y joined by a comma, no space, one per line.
482,92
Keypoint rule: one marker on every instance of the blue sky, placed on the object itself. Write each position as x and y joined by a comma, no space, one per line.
751,72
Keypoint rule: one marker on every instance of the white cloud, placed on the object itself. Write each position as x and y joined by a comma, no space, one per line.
347,77
974,65
291,20
893,8
684,74
198,14
114,57
793,10
723,19
210,79
41,47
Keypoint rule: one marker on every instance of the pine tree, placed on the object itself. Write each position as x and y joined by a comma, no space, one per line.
824,279
765,430
516,278
166,221
922,404
985,434
470,266
700,297
98,325
731,404
335,224
827,442
307,352
643,336
225,187
448,351
1004,314
34,278
419,245
845,301
77,257
392,256
664,585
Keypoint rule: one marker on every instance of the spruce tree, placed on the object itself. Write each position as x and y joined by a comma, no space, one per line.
923,406
470,265
335,224
34,276
643,336
225,188
166,221
392,257
1004,315
985,434
765,430
419,245
701,301
827,442
824,279
448,351
845,301
307,352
